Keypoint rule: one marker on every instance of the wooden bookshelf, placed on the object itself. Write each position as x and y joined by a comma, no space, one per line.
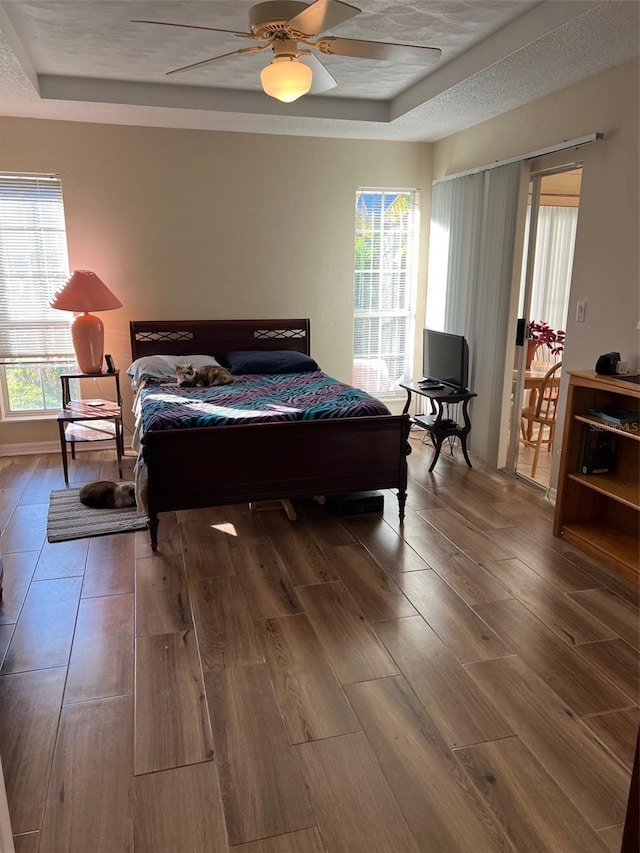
596,538
585,419
612,485
600,513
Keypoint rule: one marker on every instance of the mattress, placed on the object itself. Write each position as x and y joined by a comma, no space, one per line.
253,399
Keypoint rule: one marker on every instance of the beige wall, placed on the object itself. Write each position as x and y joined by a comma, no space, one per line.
606,263
191,224
605,273
195,224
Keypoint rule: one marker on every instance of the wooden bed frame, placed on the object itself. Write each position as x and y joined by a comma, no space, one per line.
212,466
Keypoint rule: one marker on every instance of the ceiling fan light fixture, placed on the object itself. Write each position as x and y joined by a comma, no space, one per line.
286,79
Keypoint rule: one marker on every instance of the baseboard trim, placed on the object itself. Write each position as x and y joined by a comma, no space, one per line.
39,447
30,448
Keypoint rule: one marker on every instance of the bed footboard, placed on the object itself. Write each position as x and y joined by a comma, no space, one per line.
215,466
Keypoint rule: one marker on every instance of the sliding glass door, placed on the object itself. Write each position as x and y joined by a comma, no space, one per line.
550,230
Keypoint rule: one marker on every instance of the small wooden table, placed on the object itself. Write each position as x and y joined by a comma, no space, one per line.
68,375
439,427
89,420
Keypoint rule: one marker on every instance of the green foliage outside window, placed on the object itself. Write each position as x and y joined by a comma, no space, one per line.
384,287
34,387
35,339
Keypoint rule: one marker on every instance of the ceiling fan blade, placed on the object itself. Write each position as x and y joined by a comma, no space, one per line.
216,58
194,27
320,16
323,80
410,53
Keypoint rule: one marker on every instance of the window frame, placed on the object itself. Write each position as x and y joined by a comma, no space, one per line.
409,274
47,413
34,242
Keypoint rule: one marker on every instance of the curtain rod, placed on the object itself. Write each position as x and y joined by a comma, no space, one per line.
531,155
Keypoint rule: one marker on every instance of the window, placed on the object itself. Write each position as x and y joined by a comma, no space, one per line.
386,245
35,340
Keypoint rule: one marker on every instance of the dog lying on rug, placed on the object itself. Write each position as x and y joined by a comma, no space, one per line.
105,494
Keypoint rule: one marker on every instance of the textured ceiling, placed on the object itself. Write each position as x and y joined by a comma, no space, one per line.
85,60
97,39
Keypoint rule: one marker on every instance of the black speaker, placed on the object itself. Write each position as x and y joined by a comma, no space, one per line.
606,364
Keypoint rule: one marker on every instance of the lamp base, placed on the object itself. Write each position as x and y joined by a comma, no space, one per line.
87,333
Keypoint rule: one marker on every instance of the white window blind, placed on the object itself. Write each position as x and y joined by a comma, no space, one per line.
33,264
385,288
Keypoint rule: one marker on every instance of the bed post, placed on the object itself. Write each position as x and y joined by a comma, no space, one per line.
153,530
402,499
404,467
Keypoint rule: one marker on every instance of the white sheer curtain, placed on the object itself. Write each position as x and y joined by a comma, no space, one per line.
555,242
456,210
470,267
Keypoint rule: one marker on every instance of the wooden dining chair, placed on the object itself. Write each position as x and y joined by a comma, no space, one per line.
544,355
542,415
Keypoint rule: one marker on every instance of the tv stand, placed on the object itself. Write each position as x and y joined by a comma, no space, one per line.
439,427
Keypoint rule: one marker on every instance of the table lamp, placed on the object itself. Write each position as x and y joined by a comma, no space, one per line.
83,292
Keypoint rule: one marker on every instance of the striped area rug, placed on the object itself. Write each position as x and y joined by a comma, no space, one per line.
70,519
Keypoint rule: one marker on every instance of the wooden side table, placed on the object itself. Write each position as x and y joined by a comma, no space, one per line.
439,427
89,420
66,377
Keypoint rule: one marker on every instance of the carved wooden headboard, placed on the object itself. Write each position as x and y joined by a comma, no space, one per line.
215,337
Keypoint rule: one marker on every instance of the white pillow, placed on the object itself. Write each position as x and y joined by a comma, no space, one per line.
163,366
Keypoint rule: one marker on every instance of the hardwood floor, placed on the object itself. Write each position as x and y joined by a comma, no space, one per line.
463,683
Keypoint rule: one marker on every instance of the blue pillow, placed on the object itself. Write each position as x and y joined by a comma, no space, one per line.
273,361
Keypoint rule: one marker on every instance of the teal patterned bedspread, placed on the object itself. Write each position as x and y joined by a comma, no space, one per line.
254,399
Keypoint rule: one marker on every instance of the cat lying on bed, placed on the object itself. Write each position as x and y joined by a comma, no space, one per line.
209,374
105,494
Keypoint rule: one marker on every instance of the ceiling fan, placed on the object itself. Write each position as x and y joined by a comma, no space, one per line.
283,25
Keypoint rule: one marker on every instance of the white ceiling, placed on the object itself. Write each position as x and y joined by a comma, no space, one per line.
83,60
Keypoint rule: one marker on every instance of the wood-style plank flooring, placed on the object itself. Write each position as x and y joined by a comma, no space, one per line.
465,682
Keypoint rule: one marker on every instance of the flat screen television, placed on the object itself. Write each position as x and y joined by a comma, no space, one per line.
445,358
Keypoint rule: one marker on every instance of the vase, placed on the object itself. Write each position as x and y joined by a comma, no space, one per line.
532,346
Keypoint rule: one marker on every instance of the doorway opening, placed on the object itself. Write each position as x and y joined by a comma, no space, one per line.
550,231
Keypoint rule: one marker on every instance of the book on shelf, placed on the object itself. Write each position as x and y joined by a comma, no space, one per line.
616,417
598,452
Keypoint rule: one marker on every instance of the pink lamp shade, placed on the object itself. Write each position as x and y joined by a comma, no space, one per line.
83,292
